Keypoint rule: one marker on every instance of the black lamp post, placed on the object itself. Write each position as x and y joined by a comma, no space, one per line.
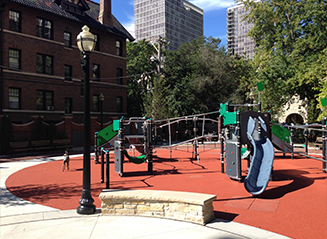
101,99
86,44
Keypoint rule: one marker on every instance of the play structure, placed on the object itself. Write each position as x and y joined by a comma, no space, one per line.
145,147
246,135
243,135
283,138
197,128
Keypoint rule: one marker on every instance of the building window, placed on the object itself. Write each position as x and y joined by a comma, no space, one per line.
119,50
14,21
96,72
43,28
14,58
67,39
96,102
44,100
119,104
44,64
14,98
119,73
68,105
68,72
97,42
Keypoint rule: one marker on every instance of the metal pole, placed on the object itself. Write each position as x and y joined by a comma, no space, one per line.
259,104
324,164
102,165
306,135
86,202
169,132
239,145
150,145
222,145
101,115
292,144
107,169
96,152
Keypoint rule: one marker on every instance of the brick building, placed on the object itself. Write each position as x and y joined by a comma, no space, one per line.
41,73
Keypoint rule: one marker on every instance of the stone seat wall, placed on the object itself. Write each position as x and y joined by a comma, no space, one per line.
183,206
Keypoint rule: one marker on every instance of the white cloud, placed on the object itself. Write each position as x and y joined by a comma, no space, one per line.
129,24
130,28
209,5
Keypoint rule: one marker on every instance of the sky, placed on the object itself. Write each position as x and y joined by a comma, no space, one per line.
214,17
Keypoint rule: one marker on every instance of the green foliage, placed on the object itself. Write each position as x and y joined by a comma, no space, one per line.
155,102
6,134
291,50
200,75
140,70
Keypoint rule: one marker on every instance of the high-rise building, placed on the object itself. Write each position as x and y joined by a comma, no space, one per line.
178,21
237,29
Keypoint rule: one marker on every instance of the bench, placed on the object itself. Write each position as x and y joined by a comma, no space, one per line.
183,206
318,142
21,146
62,144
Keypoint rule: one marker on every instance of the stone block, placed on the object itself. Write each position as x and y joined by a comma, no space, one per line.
197,208
144,208
125,211
130,206
157,207
144,213
108,211
118,206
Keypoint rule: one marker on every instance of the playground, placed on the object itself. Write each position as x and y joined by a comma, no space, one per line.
293,204
263,174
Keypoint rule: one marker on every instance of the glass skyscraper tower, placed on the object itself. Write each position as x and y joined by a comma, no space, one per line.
178,21
237,41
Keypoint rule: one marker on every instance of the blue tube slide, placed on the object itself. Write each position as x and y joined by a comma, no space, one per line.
262,160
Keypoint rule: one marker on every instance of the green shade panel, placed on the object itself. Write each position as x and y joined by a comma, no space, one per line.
230,118
116,125
260,85
106,134
223,109
324,102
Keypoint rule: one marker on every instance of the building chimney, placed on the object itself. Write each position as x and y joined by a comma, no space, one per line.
105,12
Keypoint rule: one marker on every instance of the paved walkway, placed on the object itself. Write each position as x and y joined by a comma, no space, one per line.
23,219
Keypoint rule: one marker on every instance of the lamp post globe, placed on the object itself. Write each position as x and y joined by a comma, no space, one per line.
86,40
86,43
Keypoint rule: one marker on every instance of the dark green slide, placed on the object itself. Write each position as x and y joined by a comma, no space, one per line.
136,160
105,135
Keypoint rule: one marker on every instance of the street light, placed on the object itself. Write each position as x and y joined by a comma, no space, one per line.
101,98
86,43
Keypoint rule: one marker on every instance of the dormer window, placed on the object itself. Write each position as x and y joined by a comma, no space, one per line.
73,6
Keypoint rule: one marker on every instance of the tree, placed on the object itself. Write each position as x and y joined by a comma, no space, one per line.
291,40
200,75
140,71
155,102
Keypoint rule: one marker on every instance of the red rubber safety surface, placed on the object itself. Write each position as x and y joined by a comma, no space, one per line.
294,203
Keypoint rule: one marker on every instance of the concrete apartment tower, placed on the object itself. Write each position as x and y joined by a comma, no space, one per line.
177,20
237,41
